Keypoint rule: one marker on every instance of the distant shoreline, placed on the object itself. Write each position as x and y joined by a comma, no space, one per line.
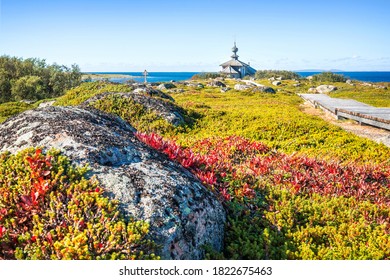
363,76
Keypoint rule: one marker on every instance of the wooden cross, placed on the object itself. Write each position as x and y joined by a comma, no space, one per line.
145,74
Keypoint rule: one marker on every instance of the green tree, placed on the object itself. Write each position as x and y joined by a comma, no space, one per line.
5,87
33,78
27,87
329,77
286,75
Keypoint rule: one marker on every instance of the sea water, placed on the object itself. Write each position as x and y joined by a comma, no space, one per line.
152,76
367,76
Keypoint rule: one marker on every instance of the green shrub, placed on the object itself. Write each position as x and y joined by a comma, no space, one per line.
286,75
207,75
12,108
86,90
329,77
34,79
140,117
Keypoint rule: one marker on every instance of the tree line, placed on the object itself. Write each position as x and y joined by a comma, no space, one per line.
33,79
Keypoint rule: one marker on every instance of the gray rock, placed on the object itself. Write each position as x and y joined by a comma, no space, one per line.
46,104
194,84
297,85
176,90
153,92
166,86
184,216
242,87
312,90
225,89
262,88
325,88
216,83
277,83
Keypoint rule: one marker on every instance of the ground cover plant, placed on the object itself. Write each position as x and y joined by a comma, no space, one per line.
9,109
49,210
374,96
275,119
289,207
79,94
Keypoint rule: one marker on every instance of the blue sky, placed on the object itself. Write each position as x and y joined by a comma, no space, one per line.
189,35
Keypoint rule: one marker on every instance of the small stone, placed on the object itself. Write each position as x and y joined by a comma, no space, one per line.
325,88
277,83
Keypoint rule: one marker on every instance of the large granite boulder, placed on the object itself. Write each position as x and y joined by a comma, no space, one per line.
184,216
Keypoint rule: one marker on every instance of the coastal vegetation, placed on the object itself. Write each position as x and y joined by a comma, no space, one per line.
329,77
206,75
293,186
33,79
48,210
285,75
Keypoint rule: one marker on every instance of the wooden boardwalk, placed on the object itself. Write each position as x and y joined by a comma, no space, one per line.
351,109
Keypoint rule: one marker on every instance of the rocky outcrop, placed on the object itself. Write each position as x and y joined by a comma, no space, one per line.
276,83
183,214
165,109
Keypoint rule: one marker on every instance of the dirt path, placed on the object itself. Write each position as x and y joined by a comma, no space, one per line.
376,134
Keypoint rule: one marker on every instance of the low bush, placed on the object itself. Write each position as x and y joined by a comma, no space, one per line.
140,117
79,94
329,77
207,75
286,75
49,210
289,207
